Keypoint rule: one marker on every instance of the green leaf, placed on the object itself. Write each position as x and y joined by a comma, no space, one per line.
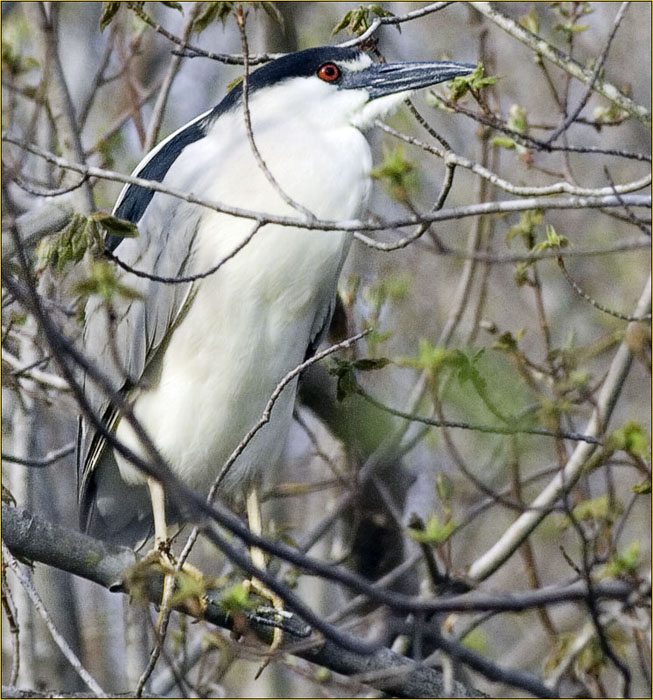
625,563
553,240
429,358
520,274
375,338
528,222
630,438
460,86
530,21
592,509
507,342
368,364
109,11
233,83
598,509
342,24
559,652
272,11
610,114
7,496
394,287
173,5
444,488
504,142
570,29
477,640
346,384
68,245
517,120
380,11
397,173
345,372
15,63
643,488
113,226
358,21
212,12
467,368
187,589
435,531
236,599
104,282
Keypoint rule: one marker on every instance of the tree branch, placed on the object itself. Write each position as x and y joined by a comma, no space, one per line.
568,64
502,207
29,536
489,562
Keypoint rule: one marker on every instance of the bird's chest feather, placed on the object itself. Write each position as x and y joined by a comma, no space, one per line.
284,276
250,323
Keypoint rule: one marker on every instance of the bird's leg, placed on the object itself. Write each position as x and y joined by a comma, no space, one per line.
157,496
166,558
258,559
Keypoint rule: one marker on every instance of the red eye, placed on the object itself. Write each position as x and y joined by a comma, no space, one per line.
329,72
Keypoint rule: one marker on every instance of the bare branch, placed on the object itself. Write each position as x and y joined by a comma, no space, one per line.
50,458
30,536
499,430
593,78
25,578
542,47
395,19
58,94
507,206
162,98
47,379
485,565
583,295
539,191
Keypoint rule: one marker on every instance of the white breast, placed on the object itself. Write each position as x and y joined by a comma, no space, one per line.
251,322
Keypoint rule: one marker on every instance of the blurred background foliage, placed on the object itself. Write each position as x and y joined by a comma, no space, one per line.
493,341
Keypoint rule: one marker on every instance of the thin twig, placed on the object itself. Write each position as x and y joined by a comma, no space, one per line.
530,142
240,21
523,191
25,578
526,523
49,459
183,279
265,418
395,19
583,295
593,78
158,110
355,225
47,379
189,51
59,97
508,258
11,613
498,429
573,68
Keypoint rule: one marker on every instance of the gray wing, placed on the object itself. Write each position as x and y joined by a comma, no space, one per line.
123,346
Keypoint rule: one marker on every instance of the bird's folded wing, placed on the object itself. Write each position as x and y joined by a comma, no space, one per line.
121,337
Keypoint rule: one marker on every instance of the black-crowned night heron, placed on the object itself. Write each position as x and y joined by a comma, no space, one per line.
200,360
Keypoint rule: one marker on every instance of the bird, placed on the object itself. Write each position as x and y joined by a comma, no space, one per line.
199,360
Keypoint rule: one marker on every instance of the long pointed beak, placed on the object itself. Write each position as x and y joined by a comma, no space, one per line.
388,78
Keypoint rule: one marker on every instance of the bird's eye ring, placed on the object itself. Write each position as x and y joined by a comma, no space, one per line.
329,72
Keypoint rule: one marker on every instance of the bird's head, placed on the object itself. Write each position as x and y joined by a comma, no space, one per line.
341,85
